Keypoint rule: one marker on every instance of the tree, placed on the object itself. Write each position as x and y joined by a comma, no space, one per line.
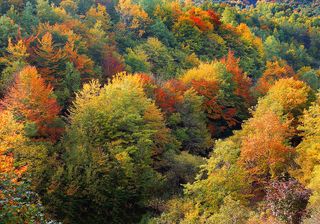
133,16
98,13
161,31
32,102
230,212
49,60
274,71
246,46
45,12
297,56
219,178
203,20
193,30
229,16
16,52
287,200
14,61
218,87
117,137
11,132
313,217
248,36
28,18
264,149
137,61
8,29
70,6
158,56
310,76
220,186
272,48
70,85
82,62
197,139
287,97
113,63
308,150
17,203
185,116
242,81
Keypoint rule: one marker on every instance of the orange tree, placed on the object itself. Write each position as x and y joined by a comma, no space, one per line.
33,103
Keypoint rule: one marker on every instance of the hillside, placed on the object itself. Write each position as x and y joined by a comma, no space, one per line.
159,112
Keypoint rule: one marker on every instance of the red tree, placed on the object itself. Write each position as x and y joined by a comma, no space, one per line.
168,96
112,62
216,112
242,81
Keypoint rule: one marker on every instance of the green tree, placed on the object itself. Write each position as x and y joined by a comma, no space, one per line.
189,124
115,138
137,61
28,18
272,47
8,29
310,76
45,12
159,30
71,84
229,16
159,57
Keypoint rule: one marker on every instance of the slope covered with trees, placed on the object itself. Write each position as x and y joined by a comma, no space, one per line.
159,111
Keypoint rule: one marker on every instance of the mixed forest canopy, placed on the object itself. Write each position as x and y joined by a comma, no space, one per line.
159,112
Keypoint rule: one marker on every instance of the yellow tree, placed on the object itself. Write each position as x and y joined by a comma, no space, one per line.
309,149
98,13
287,97
16,53
11,132
132,15
274,71
11,136
248,36
17,203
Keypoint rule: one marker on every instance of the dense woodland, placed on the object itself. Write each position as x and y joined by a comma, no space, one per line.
159,112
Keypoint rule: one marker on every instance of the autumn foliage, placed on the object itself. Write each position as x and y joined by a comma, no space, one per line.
264,151
170,95
242,81
11,136
31,100
203,20
159,111
274,71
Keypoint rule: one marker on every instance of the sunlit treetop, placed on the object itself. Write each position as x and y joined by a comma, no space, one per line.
132,15
274,71
285,97
247,35
205,71
203,20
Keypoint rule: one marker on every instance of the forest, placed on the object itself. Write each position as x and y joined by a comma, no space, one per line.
159,112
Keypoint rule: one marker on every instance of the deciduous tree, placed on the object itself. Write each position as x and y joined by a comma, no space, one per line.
33,103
